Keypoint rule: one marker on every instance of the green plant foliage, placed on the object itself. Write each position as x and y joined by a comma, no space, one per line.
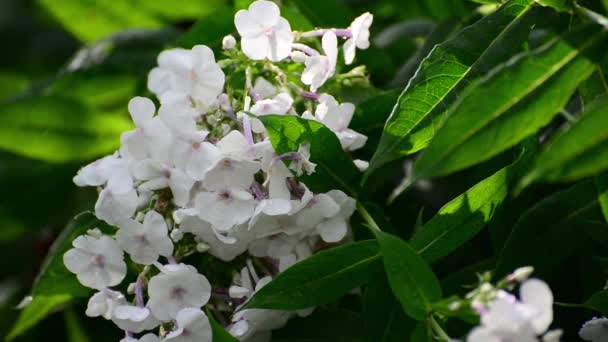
321,278
92,20
55,285
579,152
493,115
334,166
324,325
554,224
384,318
420,108
412,280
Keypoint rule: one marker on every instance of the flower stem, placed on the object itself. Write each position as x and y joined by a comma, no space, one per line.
368,218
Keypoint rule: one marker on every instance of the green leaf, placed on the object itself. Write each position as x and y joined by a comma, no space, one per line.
320,279
410,277
59,129
219,333
551,228
601,182
384,318
510,104
471,52
75,330
598,302
54,278
35,312
92,20
335,168
579,152
461,219
559,5
324,325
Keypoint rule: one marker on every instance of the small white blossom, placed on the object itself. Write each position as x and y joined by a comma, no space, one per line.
103,303
264,33
301,164
228,43
225,208
322,67
109,170
114,207
595,330
133,318
97,262
190,72
177,287
145,241
360,36
192,326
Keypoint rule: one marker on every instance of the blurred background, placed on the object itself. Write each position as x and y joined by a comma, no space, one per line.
67,71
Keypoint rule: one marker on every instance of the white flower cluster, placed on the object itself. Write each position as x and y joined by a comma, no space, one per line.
200,175
504,317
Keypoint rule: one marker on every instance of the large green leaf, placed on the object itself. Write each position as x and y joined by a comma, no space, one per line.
335,168
59,129
510,104
461,219
36,311
219,333
324,325
76,332
90,20
55,285
601,182
384,318
598,302
550,232
579,152
320,279
471,52
410,277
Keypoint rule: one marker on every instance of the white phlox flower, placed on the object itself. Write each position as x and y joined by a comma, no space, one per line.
192,325
151,137
110,171
360,36
146,241
97,261
595,330
103,303
337,117
156,176
114,207
191,72
510,319
218,248
145,338
264,33
177,287
322,67
134,319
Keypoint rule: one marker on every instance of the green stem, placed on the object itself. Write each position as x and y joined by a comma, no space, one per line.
368,218
569,305
441,334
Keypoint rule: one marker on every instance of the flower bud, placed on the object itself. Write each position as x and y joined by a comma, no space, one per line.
298,56
228,43
202,247
131,288
176,235
520,274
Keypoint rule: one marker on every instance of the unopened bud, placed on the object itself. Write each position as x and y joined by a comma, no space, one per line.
95,232
520,274
228,43
176,235
298,56
131,288
202,247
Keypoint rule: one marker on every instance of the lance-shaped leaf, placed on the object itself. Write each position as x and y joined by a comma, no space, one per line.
320,279
579,152
471,52
510,104
550,232
598,302
55,285
335,168
461,219
410,277
383,315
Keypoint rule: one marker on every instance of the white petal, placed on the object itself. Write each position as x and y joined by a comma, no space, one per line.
332,230
142,110
255,47
537,294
